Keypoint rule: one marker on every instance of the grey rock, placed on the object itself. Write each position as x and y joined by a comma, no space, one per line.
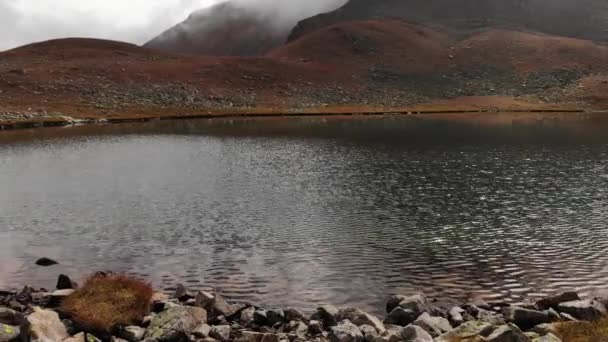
525,318
250,336
455,315
275,316
414,333
202,331
554,301
46,262
220,332
247,315
554,316
270,338
567,317
260,317
214,304
369,333
400,316
176,323
64,282
298,328
490,317
507,333
548,338
545,328
9,333
466,330
433,325
293,315
345,331
117,339
315,327
43,325
182,294
588,310
10,317
359,317
326,314
133,333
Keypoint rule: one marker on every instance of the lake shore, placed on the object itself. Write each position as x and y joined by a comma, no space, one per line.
49,315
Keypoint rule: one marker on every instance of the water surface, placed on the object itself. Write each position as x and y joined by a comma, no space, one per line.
303,211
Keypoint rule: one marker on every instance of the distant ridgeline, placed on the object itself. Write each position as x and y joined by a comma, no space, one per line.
587,19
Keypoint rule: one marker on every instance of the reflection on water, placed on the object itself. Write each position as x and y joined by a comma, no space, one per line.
297,212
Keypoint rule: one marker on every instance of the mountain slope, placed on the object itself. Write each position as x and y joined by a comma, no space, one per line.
587,19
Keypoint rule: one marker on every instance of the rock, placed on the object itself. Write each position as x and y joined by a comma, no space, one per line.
10,317
414,333
554,316
400,316
215,304
275,316
43,326
567,317
260,317
466,330
247,315
326,314
315,327
133,333
525,318
182,294
545,328
64,282
369,333
56,297
298,328
588,310
548,338
554,301
435,326
490,317
220,332
507,333
76,338
202,330
417,303
250,336
270,338
345,331
46,262
9,333
455,315
159,297
116,339
176,323
359,318
293,315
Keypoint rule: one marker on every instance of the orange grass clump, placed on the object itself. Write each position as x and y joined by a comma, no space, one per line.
584,331
106,301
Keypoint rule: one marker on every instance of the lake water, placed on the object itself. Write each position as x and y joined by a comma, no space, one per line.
302,211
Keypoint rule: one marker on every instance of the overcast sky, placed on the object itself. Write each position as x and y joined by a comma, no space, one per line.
135,21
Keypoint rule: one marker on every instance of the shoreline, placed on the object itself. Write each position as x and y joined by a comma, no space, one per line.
206,316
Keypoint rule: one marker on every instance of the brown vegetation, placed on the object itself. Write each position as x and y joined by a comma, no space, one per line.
106,301
584,331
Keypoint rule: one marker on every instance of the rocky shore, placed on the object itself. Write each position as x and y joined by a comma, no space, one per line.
38,315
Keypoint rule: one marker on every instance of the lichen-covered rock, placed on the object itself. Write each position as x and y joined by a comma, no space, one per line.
507,333
525,318
545,328
345,331
133,333
10,317
8,333
400,316
435,326
359,318
467,330
588,310
490,317
176,323
43,326
414,333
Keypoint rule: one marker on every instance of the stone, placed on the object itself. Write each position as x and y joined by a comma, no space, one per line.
359,318
567,317
133,333
43,326
315,327
455,315
270,338
490,317
435,326
247,315
369,333
345,331
326,314
293,315
417,303
220,332
176,323
400,316
182,294
554,316
202,331
64,282
525,318
587,310
46,262
9,333
116,339
76,338
215,304
159,297
250,336
260,317
548,338
466,330
414,333
275,316
299,328
507,333
10,317
554,301
545,328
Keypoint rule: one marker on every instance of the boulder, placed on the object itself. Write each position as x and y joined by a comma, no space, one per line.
247,316
182,294
359,318
270,338
250,336
76,338
46,262
64,282
455,315
490,317
466,330
214,304
220,332
507,333
326,314
275,316
293,315
176,323
588,310
298,328
345,331
417,303
9,333
315,327
400,316
202,331
369,333
10,317
43,326
554,301
133,333
545,328
525,318
435,326
414,333
548,338
260,317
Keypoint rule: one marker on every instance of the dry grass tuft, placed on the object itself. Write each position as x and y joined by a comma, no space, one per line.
106,301
584,331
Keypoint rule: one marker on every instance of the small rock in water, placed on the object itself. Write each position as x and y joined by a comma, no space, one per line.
46,262
64,283
588,310
554,301
182,294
